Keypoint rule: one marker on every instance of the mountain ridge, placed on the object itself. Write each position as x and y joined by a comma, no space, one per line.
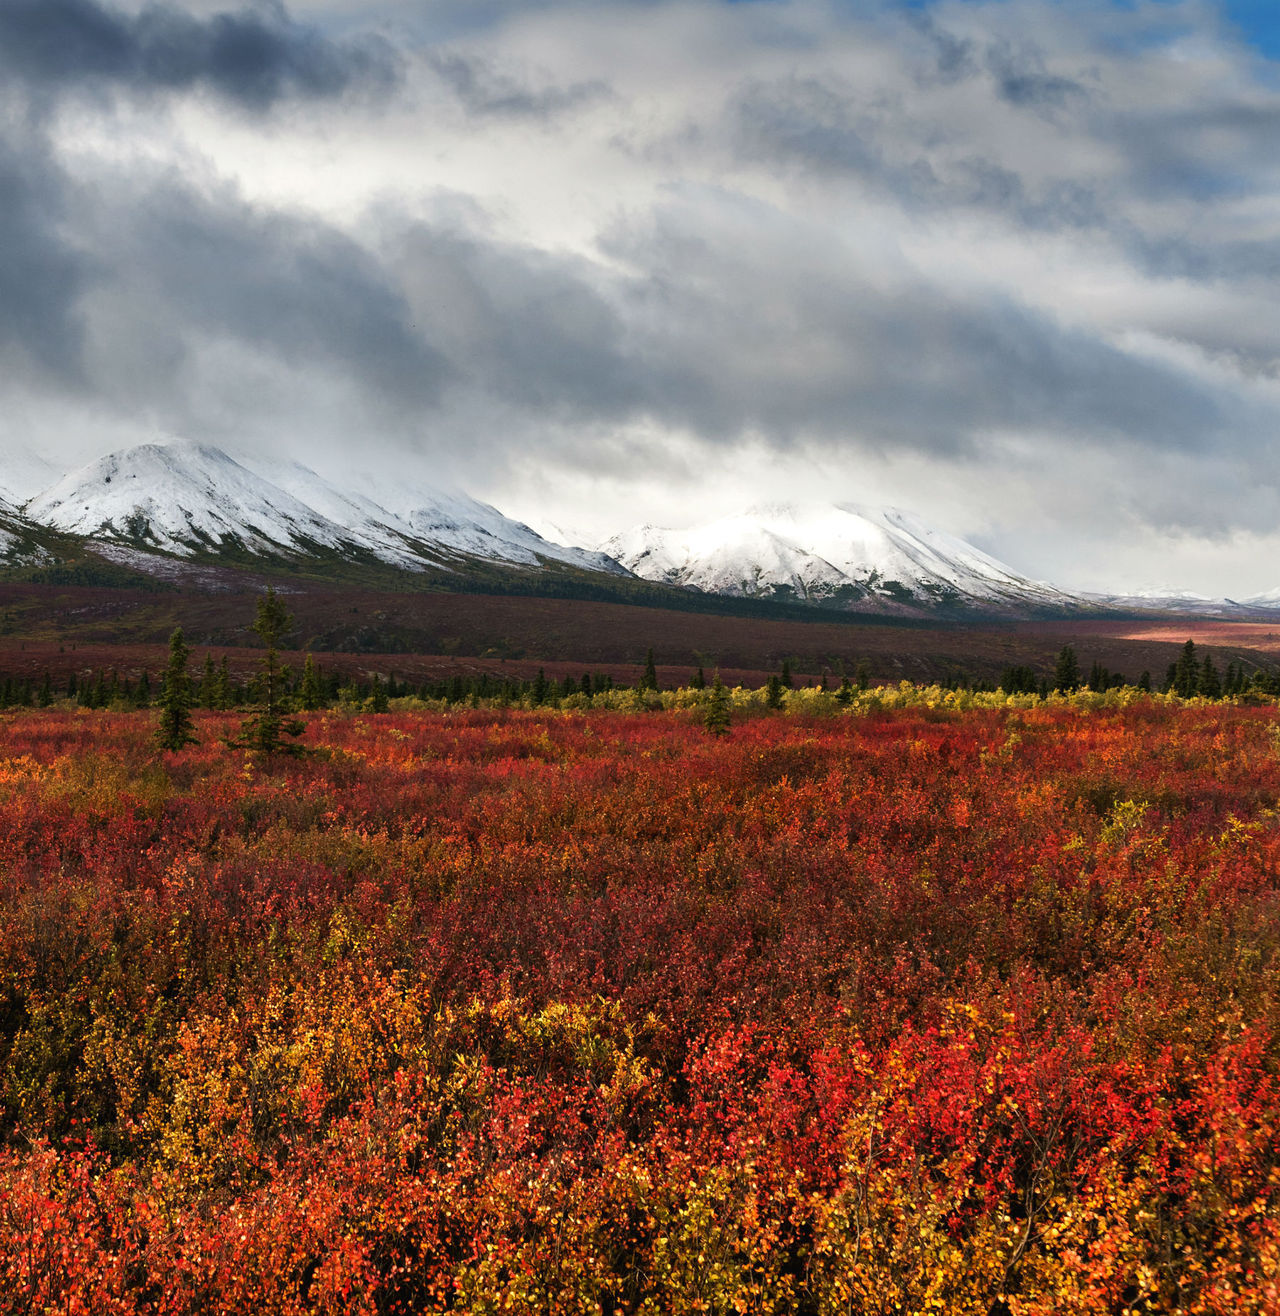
878,559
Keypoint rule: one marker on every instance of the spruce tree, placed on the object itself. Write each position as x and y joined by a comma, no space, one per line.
208,682
45,698
266,730
174,728
1210,686
1186,672
311,695
649,681
378,699
1144,681
785,678
716,716
222,694
773,692
1066,672
698,681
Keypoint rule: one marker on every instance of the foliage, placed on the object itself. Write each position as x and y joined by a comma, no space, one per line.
924,1001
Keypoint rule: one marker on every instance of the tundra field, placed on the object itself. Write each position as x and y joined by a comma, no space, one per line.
933,1003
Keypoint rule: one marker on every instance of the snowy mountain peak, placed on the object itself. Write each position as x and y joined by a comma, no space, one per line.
180,497
186,497
878,558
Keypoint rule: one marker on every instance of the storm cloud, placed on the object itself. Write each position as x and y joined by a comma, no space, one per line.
972,247
254,57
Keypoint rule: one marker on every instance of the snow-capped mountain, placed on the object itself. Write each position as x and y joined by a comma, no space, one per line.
862,556
180,498
23,472
188,498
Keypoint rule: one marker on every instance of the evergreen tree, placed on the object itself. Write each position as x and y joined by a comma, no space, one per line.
845,693
174,728
266,730
208,682
785,678
222,693
1066,672
1019,680
698,681
649,680
1210,686
311,695
1187,672
863,674
378,700
773,696
1097,677
586,685
716,716
1144,681
45,697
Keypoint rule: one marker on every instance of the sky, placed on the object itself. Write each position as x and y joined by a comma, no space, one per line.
1013,265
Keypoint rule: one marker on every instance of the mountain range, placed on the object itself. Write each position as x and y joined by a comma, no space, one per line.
183,509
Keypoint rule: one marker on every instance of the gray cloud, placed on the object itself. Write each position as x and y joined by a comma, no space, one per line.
42,274
187,271
254,57
1021,79
486,90
843,238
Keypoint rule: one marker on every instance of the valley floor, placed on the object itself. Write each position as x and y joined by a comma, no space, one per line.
911,1010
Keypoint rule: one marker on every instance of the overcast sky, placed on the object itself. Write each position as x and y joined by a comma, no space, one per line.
1012,265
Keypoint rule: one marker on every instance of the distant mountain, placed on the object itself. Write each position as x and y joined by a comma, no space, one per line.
864,558
23,473
191,499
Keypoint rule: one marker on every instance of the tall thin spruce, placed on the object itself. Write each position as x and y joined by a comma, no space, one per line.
267,729
174,729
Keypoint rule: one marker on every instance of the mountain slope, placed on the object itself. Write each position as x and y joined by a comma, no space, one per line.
191,499
181,498
862,557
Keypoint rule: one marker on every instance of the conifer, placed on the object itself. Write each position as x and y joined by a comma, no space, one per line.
716,718
1066,672
174,729
311,694
266,730
649,681
378,699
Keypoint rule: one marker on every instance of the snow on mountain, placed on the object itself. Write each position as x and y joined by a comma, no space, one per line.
181,497
1267,600
184,498
476,529
1166,599
23,473
828,552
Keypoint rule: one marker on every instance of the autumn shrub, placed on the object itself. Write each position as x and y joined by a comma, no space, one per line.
925,1002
